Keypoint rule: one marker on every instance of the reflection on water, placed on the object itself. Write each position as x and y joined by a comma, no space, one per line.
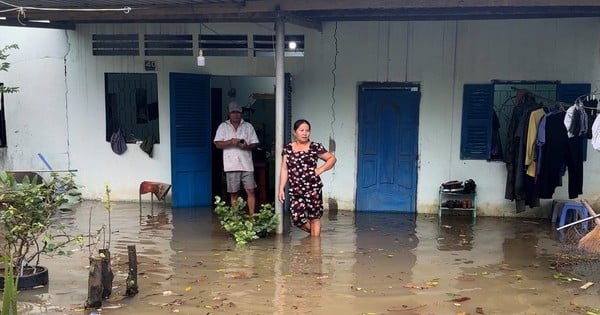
455,233
380,263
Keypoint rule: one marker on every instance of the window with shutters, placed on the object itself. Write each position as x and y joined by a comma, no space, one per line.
132,105
488,108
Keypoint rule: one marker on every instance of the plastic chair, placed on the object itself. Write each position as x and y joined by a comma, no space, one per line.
572,211
160,190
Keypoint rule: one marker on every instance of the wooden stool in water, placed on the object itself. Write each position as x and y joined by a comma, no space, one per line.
160,190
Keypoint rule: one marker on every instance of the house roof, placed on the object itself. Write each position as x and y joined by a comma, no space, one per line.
311,13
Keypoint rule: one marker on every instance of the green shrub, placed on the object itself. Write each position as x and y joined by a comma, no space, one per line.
28,227
244,229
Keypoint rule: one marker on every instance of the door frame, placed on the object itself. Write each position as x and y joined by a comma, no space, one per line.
411,86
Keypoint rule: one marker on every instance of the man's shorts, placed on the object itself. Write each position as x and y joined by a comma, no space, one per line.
234,179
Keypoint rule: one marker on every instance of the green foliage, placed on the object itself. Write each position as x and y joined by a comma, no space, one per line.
5,65
236,221
27,224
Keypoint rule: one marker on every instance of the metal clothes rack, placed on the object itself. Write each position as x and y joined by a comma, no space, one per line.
563,105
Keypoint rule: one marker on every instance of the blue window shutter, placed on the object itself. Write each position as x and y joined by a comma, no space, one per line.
476,132
568,93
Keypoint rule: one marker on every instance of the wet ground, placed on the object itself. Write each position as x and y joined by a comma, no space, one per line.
364,263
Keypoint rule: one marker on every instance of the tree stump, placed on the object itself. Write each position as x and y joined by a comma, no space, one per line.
132,281
107,274
94,299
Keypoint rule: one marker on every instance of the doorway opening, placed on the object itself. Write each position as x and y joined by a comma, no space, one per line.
256,95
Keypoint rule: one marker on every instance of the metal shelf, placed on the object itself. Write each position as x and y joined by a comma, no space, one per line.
449,195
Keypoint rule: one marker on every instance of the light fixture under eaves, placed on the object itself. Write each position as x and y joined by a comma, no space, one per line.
292,45
201,61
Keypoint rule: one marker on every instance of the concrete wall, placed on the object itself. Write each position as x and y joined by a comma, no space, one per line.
61,113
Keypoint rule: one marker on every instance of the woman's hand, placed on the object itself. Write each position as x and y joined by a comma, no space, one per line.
318,171
281,196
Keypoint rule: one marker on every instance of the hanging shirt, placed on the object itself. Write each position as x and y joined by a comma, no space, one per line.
576,121
596,133
530,149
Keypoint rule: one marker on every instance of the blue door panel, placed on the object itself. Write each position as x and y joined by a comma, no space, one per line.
191,139
387,142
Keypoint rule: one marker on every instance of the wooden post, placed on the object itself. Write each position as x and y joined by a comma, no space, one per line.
94,299
107,274
132,281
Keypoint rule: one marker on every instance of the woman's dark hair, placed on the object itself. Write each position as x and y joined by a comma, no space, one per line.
300,122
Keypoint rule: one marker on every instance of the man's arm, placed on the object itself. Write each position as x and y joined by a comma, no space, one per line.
227,143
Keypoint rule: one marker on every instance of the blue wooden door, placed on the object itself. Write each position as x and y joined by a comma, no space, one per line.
387,148
191,140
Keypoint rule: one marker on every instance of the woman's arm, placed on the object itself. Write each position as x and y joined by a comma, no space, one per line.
283,178
329,159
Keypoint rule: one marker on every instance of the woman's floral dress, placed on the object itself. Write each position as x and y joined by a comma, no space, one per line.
305,188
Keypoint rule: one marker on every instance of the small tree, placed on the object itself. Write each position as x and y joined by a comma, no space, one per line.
28,227
5,65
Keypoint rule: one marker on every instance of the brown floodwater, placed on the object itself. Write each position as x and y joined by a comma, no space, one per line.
364,263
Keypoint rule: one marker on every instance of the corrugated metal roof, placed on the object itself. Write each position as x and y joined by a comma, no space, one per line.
311,13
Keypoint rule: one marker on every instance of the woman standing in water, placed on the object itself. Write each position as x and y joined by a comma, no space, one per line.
299,167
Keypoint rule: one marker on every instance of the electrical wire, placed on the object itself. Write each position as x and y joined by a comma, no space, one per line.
20,8
21,16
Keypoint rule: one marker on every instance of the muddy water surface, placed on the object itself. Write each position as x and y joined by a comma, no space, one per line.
365,263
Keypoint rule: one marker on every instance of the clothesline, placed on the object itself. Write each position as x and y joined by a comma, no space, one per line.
563,105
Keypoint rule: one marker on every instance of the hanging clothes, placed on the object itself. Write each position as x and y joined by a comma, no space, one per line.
596,134
590,106
118,143
532,132
576,121
519,187
559,154
496,150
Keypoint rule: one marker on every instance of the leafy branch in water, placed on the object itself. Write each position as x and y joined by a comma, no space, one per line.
244,228
100,235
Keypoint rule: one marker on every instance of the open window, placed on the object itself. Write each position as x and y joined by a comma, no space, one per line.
487,110
132,105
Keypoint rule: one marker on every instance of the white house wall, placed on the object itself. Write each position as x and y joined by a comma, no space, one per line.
440,56
35,116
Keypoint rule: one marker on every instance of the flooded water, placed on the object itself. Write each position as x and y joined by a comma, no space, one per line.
364,263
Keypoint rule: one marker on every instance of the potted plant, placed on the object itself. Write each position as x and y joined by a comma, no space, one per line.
28,227
244,228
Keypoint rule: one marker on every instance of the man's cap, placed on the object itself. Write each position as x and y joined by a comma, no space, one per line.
235,107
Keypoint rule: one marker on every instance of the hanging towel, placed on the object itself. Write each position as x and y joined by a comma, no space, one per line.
148,145
117,142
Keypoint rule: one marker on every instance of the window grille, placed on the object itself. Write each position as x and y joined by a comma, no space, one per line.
115,45
168,45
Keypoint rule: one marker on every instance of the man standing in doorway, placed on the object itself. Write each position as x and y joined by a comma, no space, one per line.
237,138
